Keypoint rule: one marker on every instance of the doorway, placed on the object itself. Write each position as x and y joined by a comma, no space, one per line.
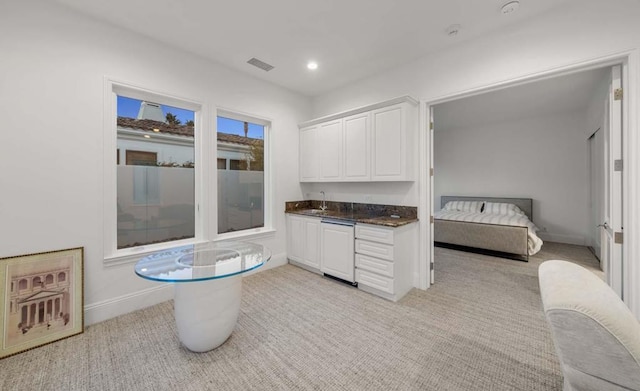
589,232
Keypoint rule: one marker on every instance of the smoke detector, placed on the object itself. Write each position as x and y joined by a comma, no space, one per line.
510,7
453,30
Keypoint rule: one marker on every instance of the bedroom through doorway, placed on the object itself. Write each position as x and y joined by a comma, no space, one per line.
533,141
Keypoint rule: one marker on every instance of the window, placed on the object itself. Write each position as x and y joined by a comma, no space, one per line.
141,158
241,187
157,186
155,196
237,165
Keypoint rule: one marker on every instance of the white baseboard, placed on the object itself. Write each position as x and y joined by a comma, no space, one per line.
120,305
275,261
560,238
107,309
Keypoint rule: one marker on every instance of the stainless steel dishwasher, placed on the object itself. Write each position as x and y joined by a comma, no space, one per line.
337,249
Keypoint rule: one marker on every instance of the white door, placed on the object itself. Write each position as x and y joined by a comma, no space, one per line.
431,174
611,229
596,170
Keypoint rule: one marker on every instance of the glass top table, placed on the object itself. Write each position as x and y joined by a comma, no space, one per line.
201,262
209,286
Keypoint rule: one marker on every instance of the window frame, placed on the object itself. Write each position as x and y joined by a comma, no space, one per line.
268,201
206,179
113,88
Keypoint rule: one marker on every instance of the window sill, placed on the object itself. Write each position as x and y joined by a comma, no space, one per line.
134,255
256,233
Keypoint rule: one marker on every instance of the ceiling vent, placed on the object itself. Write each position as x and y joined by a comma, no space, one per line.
260,64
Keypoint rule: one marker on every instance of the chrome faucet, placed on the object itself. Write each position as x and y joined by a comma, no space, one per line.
324,202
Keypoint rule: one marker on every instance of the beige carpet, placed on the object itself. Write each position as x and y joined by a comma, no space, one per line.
480,327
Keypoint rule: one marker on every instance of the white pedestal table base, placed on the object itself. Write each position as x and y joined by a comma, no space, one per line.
206,312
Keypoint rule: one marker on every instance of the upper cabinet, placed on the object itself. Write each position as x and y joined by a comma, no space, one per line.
357,147
330,151
309,154
391,151
373,143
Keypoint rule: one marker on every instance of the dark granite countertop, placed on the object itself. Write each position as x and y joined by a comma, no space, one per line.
384,215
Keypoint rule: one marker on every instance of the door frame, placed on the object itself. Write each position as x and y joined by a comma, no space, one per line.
631,202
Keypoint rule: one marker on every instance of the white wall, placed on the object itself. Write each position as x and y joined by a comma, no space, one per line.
540,157
52,72
578,33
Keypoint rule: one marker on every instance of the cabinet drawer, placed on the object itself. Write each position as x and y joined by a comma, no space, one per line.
374,234
374,249
374,265
373,280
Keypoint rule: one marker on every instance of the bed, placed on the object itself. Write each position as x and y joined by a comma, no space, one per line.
496,226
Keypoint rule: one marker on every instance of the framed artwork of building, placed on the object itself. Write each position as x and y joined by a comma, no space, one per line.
41,299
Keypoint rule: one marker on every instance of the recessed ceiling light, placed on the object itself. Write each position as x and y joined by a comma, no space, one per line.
312,65
510,7
156,130
453,30
147,136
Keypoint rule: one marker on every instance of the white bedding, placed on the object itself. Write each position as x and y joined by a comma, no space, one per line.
518,220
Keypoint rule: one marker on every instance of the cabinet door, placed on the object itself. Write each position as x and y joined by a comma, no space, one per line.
295,238
389,144
329,144
357,148
309,154
312,242
336,251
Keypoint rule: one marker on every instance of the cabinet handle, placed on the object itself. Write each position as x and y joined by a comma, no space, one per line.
338,222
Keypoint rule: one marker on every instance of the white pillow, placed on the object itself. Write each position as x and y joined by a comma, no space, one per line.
502,208
464,206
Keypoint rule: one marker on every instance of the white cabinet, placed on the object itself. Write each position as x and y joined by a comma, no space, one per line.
303,240
374,143
309,154
329,145
385,258
295,237
336,250
392,143
311,243
357,147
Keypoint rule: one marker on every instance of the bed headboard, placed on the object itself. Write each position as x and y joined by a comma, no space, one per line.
526,204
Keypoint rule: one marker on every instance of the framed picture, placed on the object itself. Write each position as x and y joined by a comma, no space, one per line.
41,299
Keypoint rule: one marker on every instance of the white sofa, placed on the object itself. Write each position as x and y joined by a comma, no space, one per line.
596,337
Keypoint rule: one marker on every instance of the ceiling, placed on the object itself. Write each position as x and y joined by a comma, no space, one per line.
349,39
555,95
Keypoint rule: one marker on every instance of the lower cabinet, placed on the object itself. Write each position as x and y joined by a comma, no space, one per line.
336,250
380,259
303,241
384,259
